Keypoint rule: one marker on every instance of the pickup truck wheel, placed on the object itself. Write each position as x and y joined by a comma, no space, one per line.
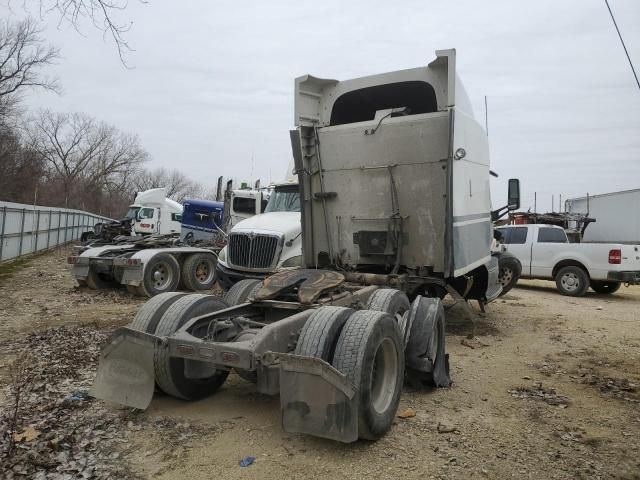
572,281
147,318
199,272
370,353
242,291
394,302
161,274
319,336
605,287
510,270
170,371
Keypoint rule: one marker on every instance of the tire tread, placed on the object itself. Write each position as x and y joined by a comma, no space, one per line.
173,319
147,318
320,332
241,291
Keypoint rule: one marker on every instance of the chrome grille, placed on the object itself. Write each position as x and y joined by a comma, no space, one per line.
250,250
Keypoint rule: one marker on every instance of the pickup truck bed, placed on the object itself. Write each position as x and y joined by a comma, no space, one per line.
545,253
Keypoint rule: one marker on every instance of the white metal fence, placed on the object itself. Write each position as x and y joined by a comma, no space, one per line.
26,229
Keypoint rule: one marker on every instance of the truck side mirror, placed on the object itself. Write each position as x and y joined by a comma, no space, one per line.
513,200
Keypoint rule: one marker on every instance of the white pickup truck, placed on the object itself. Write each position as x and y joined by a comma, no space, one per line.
546,253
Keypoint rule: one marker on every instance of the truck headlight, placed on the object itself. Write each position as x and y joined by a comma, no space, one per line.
292,262
222,255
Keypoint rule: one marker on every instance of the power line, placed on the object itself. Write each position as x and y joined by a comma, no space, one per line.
622,41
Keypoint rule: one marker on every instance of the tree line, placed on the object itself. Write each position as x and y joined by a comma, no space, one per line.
67,159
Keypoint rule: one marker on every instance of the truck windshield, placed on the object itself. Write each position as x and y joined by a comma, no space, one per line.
285,199
132,213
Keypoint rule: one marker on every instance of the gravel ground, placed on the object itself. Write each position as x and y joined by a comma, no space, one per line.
549,388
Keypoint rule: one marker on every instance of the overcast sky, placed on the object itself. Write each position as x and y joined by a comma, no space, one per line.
212,83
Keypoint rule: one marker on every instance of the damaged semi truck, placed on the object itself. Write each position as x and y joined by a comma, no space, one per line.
394,181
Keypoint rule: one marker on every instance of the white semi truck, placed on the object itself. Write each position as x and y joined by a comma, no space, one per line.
395,208
150,263
151,213
267,243
156,214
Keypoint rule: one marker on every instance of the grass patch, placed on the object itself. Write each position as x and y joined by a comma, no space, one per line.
9,267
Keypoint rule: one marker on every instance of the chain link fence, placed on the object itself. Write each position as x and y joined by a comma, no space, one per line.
26,229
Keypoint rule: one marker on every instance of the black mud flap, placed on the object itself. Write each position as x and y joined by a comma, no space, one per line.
316,399
125,373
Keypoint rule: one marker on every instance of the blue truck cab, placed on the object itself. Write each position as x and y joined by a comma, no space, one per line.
201,219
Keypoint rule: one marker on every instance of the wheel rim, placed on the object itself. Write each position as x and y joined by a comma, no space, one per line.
204,272
161,275
505,277
570,282
384,375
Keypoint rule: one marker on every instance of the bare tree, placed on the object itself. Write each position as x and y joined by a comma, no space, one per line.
20,169
102,14
23,56
85,155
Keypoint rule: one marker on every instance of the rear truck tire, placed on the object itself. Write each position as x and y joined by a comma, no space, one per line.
319,336
81,283
370,353
199,272
427,363
394,302
161,274
242,291
95,282
147,318
510,271
572,281
605,287
170,371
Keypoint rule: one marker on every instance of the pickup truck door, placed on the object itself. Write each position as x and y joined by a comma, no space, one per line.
518,241
545,250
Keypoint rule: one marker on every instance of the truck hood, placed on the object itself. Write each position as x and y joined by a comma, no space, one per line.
287,223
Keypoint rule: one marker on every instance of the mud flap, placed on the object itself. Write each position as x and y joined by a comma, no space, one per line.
80,272
316,399
125,373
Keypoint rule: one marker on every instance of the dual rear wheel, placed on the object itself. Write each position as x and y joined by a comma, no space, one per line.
367,346
163,273
163,315
370,348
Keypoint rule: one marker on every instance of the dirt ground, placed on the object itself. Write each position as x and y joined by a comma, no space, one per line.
548,388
